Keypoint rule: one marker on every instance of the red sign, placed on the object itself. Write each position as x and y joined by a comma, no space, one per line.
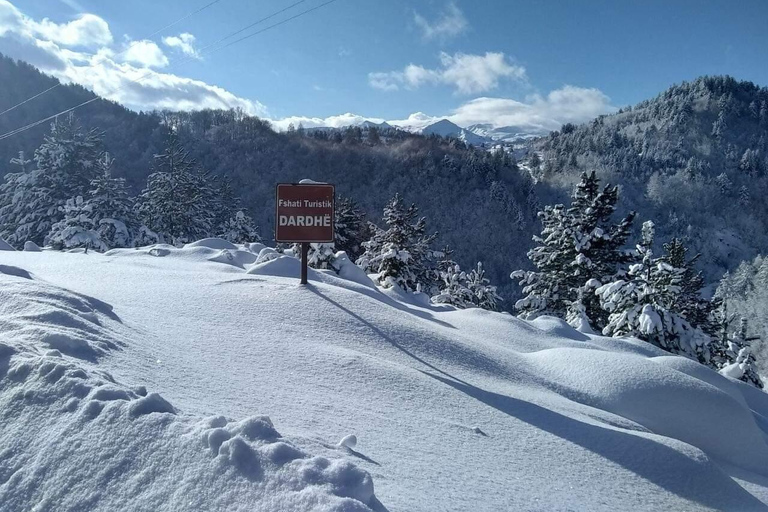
304,212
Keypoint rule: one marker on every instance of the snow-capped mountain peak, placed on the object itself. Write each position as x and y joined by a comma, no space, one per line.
446,128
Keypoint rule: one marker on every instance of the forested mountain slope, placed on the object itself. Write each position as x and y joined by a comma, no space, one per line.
481,204
134,137
694,159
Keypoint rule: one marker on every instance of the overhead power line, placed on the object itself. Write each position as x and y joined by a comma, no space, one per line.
71,109
134,43
276,24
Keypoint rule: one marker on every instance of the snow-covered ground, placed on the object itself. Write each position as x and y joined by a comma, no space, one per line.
202,379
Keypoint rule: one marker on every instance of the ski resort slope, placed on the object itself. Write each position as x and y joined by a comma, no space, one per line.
207,378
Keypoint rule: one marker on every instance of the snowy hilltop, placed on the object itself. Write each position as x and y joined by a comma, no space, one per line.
204,377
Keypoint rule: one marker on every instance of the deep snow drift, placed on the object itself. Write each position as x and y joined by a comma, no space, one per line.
139,380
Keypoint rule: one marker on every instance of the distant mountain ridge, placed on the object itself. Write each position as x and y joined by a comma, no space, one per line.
476,135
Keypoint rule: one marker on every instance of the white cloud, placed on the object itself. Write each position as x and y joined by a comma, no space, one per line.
384,81
88,30
575,104
146,54
184,42
538,113
415,121
125,77
147,89
468,74
474,73
450,23
315,122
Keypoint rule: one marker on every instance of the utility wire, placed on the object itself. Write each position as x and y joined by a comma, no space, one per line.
257,22
275,25
134,43
302,13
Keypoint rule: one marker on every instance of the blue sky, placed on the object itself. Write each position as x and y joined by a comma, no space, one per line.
537,63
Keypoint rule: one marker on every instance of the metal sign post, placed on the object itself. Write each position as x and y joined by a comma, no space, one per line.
304,262
304,213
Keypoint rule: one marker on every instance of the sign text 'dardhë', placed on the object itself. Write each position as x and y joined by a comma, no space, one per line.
304,213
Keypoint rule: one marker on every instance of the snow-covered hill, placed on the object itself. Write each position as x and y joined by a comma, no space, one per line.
508,134
207,378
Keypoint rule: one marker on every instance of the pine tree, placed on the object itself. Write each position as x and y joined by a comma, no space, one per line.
77,228
578,250
112,207
443,263
400,256
482,291
741,363
720,319
240,229
20,197
227,205
145,236
320,255
351,229
642,304
32,201
690,303
454,288
178,203
68,157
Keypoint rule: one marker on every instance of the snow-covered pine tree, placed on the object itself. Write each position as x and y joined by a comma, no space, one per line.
453,288
319,256
240,229
351,228
145,236
78,228
370,247
744,294
231,220
227,205
203,200
32,201
112,207
444,260
579,249
642,303
400,256
443,263
350,231
720,320
68,156
690,302
20,195
741,363
177,203
483,292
